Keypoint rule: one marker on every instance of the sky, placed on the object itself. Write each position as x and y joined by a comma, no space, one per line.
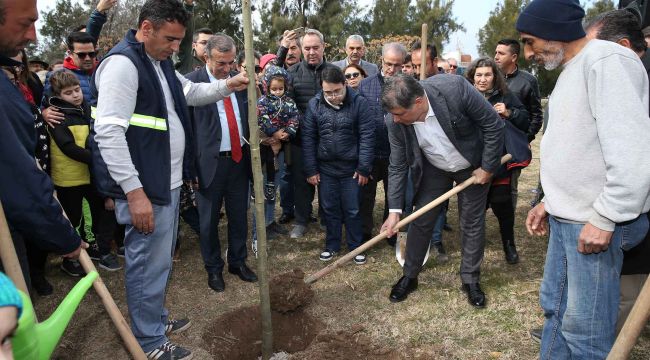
471,13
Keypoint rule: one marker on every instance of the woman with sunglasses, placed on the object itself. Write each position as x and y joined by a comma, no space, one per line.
489,81
353,76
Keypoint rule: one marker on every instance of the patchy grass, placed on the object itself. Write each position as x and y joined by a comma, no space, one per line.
436,320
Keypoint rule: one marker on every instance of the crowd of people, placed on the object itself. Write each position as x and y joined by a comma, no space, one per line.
156,130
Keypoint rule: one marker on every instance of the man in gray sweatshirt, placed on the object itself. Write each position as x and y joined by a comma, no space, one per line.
595,175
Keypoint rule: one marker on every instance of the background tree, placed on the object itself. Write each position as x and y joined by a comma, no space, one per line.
439,16
599,7
220,16
58,22
388,18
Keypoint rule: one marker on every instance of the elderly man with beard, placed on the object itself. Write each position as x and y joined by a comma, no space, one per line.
392,59
599,103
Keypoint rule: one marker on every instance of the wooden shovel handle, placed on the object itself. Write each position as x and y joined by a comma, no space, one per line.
370,243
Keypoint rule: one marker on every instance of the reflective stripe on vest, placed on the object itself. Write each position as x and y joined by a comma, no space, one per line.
145,121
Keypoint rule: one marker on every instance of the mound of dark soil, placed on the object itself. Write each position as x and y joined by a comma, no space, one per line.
238,334
345,345
289,292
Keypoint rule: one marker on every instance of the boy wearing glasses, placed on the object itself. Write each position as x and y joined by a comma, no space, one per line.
338,141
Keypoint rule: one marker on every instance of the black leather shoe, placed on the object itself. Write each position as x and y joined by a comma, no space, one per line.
285,218
475,295
243,272
402,289
216,283
511,252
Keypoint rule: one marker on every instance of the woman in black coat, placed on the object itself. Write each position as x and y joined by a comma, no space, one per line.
488,80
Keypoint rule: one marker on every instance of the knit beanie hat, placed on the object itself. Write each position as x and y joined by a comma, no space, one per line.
9,295
555,20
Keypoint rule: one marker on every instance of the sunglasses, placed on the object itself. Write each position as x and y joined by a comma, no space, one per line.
84,55
352,75
453,66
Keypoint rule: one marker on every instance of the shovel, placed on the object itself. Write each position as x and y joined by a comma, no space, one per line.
372,242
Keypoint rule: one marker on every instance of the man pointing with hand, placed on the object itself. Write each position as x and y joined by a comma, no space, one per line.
144,150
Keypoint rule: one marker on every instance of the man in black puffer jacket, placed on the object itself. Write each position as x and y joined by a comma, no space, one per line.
305,78
338,140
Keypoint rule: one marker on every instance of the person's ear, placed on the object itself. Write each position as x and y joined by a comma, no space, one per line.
146,27
625,42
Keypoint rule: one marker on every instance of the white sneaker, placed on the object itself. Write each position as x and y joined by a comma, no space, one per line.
327,255
360,259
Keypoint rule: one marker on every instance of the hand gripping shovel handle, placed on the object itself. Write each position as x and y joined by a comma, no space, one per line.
120,323
372,242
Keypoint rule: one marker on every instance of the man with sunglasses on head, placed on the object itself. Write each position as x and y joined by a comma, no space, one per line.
80,60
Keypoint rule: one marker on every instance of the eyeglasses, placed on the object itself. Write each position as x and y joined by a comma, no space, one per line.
352,75
334,93
453,66
83,55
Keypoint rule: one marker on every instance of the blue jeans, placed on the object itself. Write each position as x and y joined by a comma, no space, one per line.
269,211
148,263
440,223
285,181
341,202
580,293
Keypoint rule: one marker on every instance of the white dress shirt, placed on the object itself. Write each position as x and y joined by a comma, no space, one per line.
225,130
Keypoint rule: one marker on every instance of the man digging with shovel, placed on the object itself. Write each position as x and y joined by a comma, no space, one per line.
445,132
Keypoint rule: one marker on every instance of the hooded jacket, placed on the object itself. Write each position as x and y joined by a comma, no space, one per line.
277,113
70,156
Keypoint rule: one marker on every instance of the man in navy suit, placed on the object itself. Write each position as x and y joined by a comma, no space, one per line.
222,165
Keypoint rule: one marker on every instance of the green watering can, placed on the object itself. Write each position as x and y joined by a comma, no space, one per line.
37,341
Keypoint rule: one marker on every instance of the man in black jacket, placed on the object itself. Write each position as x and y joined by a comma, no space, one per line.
305,83
26,192
444,131
524,85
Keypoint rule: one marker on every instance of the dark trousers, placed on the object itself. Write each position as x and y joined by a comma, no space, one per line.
21,252
500,200
369,192
286,181
103,220
37,259
340,199
471,208
229,185
268,162
303,192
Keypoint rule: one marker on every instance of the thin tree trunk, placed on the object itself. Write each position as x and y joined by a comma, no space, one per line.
262,268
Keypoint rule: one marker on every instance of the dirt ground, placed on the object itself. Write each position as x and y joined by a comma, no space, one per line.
348,315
